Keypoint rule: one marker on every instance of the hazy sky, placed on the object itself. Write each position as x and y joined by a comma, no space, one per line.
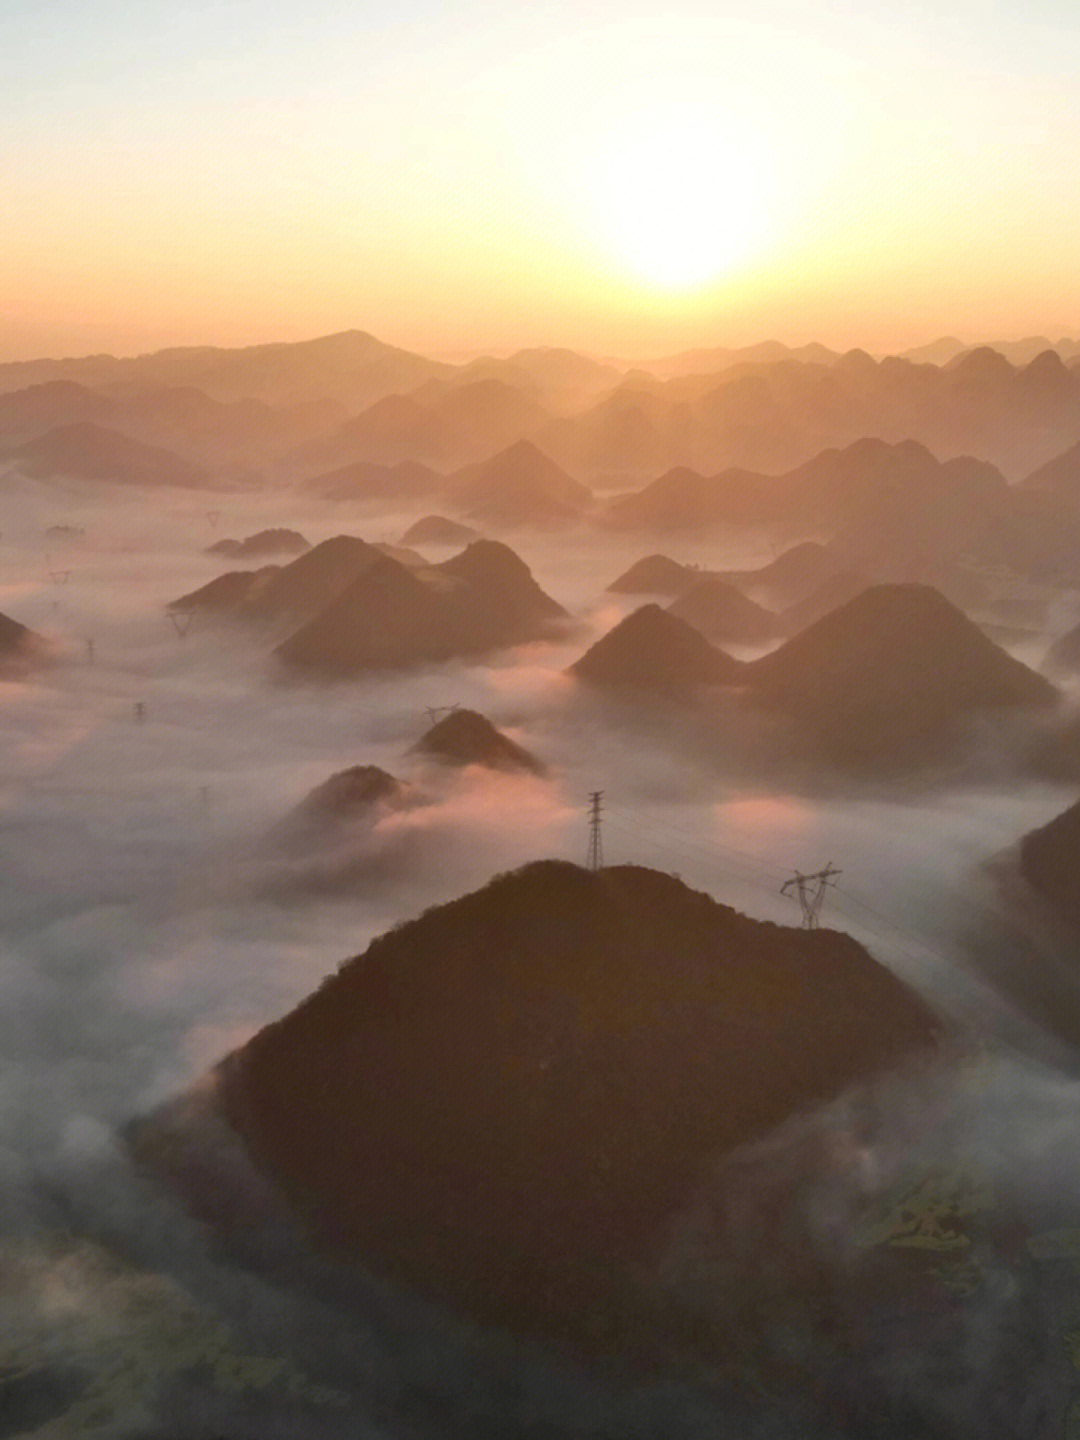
631,178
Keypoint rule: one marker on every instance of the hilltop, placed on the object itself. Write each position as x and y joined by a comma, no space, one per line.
298,589
519,486
654,650
438,530
655,575
465,737
887,679
540,1075
264,542
349,795
393,617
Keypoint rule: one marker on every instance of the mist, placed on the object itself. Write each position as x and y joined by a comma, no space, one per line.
156,920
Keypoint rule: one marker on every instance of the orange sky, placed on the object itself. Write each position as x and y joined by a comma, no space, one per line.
628,179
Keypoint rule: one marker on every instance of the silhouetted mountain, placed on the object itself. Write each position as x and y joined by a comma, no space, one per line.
205,431
438,530
466,738
396,428
722,613
487,415
709,361
774,417
949,350
307,584
85,451
830,595
887,679
264,542
500,579
442,424
890,509
349,795
681,499
226,594
791,577
385,619
18,646
656,575
1050,862
351,368
391,617
507,1103
1059,477
364,480
519,486
1064,654
653,650
563,377
938,352
287,592
914,519
412,559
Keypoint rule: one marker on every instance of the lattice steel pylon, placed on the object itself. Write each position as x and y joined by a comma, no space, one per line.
596,840
810,890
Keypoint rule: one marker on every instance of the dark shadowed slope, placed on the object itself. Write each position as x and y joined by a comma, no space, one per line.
85,451
465,737
506,1102
653,650
317,577
498,577
887,678
1050,862
18,646
722,613
390,617
656,575
386,619
225,594
349,795
287,592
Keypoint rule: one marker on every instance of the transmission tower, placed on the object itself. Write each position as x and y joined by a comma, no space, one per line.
596,842
810,890
180,623
434,711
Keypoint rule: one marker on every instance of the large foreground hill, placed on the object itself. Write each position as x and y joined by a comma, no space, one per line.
506,1102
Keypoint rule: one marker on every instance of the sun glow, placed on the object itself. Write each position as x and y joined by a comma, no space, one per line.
679,204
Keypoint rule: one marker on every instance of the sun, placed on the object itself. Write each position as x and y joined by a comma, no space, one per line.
679,205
